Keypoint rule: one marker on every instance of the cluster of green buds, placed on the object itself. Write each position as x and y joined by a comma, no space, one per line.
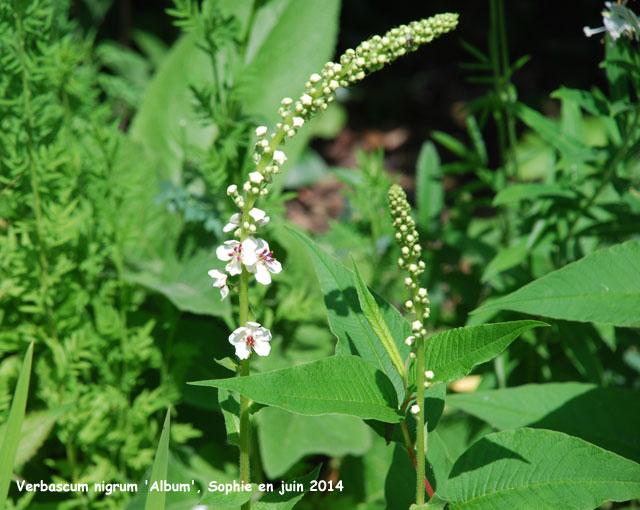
353,66
410,249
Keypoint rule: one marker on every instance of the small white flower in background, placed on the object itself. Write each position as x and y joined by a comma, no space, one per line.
234,252
409,340
258,215
429,374
415,409
264,262
250,337
220,282
232,189
617,20
279,157
305,99
298,122
261,130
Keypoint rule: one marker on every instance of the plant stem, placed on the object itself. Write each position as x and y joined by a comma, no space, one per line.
420,442
245,424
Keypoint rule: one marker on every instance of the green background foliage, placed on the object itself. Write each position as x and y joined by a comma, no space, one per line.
114,161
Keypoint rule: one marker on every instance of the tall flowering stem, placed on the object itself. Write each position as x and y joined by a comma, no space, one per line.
250,255
418,305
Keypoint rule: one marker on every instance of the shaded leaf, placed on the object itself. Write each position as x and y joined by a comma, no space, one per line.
285,438
346,319
539,469
602,287
578,409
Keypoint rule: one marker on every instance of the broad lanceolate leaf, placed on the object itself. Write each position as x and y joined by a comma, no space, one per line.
11,437
429,189
285,438
372,313
452,354
184,282
335,385
582,410
532,469
603,287
532,191
346,319
156,498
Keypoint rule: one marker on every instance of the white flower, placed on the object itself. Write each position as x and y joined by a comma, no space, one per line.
279,157
256,177
617,20
234,252
409,340
415,409
298,122
416,325
315,78
264,262
429,374
305,99
251,336
220,282
232,189
258,215
261,130
287,101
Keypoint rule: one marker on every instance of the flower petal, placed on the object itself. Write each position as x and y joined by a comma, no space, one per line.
237,336
234,267
243,350
262,348
262,274
258,216
274,266
224,292
234,222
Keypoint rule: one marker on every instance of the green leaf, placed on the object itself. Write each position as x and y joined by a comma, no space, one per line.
231,500
429,189
507,258
455,433
372,313
602,287
285,438
230,406
276,501
35,430
580,348
346,319
339,384
184,282
11,438
550,132
156,498
452,354
539,470
531,191
578,409
435,503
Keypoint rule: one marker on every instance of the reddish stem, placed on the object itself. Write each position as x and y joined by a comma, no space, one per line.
427,485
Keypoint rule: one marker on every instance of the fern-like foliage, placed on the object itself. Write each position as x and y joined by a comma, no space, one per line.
65,173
